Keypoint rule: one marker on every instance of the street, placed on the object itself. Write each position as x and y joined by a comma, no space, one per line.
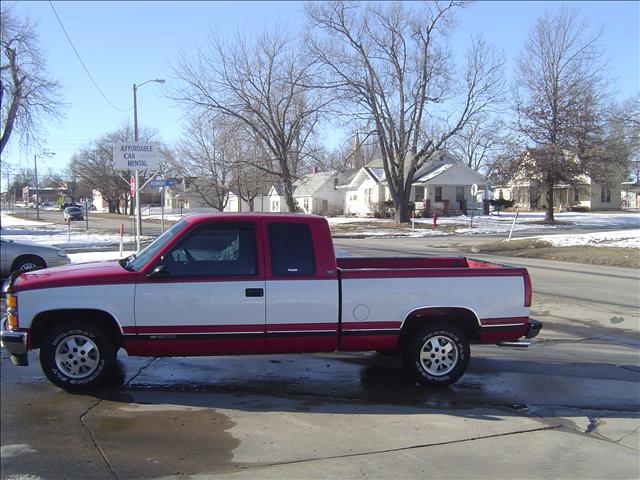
567,407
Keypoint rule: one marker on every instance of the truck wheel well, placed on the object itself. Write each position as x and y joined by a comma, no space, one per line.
46,320
464,319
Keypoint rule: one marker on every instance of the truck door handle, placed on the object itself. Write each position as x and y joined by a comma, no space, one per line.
254,292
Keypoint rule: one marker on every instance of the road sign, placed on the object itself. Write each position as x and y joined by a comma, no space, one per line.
159,183
136,156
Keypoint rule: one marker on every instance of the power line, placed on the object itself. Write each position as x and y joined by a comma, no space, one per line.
82,63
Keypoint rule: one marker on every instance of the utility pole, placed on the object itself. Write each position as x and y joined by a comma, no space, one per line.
35,167
137,174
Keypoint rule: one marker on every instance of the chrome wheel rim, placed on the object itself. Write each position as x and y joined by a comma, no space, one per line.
28,266
77,356
439,355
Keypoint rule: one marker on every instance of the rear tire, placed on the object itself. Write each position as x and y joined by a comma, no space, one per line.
437,355
78,355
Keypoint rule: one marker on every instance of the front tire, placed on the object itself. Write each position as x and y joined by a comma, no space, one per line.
437,355
77,356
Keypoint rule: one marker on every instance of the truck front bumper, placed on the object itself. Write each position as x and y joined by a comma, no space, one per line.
15,343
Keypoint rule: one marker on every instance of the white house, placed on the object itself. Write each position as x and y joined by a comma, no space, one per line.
584,193
237,204
364,192
277,202
443,184
315,193
630,195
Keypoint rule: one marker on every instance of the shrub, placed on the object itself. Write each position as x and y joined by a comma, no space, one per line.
501,204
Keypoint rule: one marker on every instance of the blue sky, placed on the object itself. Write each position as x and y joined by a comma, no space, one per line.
130,42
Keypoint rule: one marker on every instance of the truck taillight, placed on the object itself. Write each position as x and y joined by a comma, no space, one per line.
528,290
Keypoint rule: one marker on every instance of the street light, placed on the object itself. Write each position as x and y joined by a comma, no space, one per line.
44,153
135,139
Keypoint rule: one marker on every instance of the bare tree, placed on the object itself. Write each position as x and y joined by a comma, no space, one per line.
479,142
558,96
28,93
205,155
624,127
95,168
390,63
263,86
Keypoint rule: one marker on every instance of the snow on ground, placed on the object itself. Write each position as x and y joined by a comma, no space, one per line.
45,233
622,238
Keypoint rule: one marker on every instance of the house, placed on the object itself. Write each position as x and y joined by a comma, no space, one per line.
236,204
314,193
585,193
187,194
442,184
365,191
317,193
277,202
630,195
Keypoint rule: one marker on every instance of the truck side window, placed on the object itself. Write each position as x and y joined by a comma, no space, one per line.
214,251
291,249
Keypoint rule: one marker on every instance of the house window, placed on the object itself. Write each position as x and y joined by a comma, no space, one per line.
605,195
367,194
576,195
275,206
459,193
306,204
419,196
438,194
335,182
354,197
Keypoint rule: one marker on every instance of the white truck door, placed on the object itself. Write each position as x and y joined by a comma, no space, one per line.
211,299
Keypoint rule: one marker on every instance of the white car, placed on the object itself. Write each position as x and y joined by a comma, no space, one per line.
29,256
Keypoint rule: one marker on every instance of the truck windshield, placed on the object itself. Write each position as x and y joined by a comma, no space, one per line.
138,260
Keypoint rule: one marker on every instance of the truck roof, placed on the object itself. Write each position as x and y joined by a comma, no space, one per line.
248,216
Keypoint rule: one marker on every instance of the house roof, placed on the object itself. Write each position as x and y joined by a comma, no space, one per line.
308,185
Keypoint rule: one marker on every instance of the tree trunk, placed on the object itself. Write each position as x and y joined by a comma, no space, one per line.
548,217
288,195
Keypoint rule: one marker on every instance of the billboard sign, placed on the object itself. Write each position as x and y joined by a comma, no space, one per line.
136,156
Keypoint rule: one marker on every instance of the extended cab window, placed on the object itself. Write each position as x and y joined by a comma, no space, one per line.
216,250
291,249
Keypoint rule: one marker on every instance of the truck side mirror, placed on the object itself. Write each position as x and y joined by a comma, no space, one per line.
159,272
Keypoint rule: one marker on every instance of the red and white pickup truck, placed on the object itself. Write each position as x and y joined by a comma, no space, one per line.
221,284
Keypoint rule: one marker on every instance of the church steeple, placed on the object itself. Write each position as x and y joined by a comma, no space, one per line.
357,156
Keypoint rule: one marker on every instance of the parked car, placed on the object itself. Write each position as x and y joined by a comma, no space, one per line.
221,284
29,256
73,213
66,205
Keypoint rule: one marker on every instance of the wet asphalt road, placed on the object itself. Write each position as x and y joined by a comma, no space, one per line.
568,407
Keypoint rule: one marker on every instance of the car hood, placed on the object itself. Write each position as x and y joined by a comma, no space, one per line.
94,273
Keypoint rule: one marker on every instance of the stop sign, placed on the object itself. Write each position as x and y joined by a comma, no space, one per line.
132,182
